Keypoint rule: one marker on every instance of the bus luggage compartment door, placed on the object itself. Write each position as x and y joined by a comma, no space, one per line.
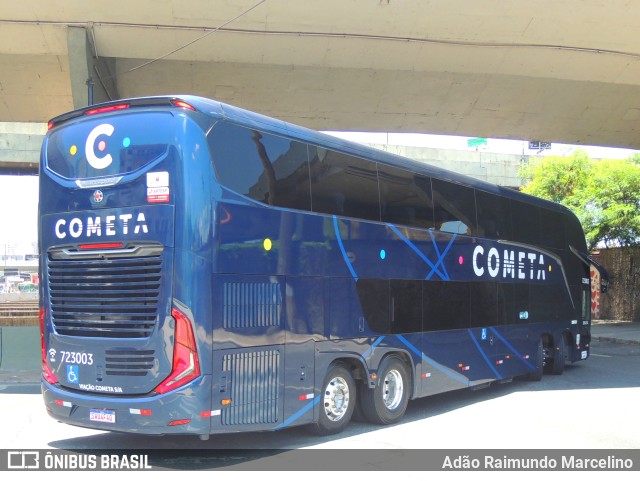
247,388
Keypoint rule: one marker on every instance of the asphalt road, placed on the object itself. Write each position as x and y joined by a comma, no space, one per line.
593,405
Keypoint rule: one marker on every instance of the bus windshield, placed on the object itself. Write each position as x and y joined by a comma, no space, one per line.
109,146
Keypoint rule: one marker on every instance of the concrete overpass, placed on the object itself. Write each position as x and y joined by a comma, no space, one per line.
553,70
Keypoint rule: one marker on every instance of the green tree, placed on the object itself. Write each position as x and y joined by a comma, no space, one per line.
604,194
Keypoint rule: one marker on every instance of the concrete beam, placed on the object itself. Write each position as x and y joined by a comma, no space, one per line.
91,76
20,145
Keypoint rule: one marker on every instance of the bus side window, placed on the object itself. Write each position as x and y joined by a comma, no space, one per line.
552,227
494,216
454,207
343,184
405,198
270,169
525,220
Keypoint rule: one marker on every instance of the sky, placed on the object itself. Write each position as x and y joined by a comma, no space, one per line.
19,194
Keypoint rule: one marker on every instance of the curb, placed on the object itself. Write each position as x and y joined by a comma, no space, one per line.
615,340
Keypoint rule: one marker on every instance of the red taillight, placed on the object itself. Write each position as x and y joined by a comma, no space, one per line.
48,374
50,125
186,366
106,245
183,105
108,108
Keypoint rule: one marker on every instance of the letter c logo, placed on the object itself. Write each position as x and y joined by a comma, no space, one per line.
95,161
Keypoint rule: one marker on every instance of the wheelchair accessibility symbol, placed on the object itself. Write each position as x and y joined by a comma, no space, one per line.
72,374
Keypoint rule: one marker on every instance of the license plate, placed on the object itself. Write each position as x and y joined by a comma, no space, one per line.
102,416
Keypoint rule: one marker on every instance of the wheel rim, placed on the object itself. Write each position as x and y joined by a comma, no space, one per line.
393,389
336,398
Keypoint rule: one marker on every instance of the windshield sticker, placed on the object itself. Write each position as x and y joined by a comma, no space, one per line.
158,187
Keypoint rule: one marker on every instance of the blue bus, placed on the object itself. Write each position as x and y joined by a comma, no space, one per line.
205,269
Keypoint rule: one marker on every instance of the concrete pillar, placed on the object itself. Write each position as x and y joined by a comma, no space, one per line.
90,76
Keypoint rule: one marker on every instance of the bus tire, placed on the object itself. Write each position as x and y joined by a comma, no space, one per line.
337,401
559,357
536,374
387,402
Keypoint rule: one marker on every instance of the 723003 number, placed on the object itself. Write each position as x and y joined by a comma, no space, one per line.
76,358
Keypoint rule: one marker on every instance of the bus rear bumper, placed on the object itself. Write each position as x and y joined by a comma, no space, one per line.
178,412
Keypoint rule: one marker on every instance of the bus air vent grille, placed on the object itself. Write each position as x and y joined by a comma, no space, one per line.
128,362
251,304
255,387
105,297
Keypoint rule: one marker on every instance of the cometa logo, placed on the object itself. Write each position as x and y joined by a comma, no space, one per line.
529,265
93,226
95,161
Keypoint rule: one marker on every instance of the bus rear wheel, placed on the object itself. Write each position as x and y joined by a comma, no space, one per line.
537,373
559,357
337,401
387,402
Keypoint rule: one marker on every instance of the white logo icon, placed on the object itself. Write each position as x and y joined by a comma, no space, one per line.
95,161
23,460
52,354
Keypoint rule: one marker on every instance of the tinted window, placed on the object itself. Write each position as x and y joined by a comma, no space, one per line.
494,216
454,207
524,218
406,306
374,299
109,146
552,229
405,198
484,299
270,169
343,184
445,305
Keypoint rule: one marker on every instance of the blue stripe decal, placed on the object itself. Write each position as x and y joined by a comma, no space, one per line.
437,365
498,376
417,251
344,252
373,346
441,256
296,415
513,349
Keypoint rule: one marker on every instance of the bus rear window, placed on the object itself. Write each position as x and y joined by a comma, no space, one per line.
109,146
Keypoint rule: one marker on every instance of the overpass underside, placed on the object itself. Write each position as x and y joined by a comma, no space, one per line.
565,71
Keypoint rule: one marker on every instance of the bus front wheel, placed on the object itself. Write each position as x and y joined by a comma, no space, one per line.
387,402
337,401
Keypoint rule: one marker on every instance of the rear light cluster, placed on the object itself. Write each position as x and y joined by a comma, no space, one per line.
186,366
47,373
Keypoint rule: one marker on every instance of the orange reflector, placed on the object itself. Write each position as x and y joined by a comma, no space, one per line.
226,402
373,377
179,422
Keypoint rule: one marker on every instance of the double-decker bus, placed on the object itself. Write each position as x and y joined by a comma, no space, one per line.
205,269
